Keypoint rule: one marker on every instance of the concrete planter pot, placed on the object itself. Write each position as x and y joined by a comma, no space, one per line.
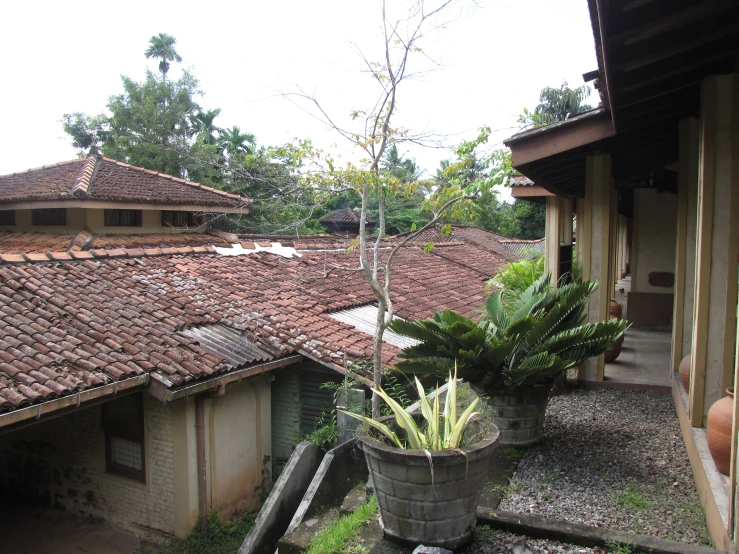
519,413
418,508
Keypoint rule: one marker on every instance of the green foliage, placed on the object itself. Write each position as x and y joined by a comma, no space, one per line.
325,432
529,338
442,429
218,537
161,47
395,389
338,536
265,483
557,104
615,547
631,498
514,278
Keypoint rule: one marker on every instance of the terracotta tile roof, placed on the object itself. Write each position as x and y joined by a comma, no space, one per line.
487,240
17,243
347,215
109,180
49,182
34,243
78,320
156,240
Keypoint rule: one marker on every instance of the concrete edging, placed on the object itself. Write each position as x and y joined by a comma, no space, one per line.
278,510
584,535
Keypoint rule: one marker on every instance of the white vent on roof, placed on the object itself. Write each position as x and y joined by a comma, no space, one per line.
364,318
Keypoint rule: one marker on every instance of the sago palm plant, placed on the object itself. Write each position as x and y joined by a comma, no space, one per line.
527,339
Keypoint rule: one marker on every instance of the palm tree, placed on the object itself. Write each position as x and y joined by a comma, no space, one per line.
202,123
234,142
162,48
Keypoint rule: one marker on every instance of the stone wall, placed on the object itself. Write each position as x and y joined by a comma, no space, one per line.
61,463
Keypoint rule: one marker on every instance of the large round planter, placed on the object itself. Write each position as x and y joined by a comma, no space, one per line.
421,505
519,413
719,431
615,350
616,309
684,371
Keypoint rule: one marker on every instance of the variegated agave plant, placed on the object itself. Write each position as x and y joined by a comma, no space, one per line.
440,430
531,338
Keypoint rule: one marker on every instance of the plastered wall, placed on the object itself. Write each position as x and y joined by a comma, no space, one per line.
655,224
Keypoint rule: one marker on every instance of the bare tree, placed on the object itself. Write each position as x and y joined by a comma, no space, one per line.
402,43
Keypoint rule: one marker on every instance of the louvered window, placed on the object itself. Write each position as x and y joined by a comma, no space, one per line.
179,219
314,400
123,218
49,216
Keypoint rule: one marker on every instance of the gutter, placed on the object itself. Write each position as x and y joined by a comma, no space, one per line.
160,385
31,414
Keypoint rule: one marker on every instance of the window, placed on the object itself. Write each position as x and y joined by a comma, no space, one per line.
123,218
123,421
180,219
7,217
49,216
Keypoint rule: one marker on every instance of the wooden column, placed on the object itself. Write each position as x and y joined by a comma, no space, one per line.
595,242
717,250
682,320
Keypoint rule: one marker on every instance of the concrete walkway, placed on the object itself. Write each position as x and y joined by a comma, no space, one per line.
28,530
645,355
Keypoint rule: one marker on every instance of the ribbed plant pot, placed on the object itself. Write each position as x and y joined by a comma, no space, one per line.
519,413
419,505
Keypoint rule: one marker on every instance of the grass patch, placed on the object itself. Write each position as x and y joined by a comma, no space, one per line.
630,497
340,536
218,537
613,547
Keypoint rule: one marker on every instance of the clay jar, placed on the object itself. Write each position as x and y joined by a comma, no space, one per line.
684,370
719,431
615,351
616,309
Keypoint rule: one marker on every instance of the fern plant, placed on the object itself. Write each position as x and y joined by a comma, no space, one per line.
529,338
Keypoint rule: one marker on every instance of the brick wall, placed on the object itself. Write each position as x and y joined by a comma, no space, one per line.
61,463
285,414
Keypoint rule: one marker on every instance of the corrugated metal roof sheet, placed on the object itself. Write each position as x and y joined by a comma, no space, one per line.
234,347
364,318
524,248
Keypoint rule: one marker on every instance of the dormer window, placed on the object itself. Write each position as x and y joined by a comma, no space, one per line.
123,218
180,219
49,216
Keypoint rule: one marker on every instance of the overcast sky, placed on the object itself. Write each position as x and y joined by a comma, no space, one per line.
59,57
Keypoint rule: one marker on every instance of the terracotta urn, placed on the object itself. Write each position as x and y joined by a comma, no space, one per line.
616,309
615,351
719,431
684,370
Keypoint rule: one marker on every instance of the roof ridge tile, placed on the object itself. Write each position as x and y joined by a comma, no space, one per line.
81,186
39,168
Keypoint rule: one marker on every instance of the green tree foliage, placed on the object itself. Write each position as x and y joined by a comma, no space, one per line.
518,276
557,104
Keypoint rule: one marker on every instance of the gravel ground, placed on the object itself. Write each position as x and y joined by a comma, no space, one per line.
611,458
489,541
